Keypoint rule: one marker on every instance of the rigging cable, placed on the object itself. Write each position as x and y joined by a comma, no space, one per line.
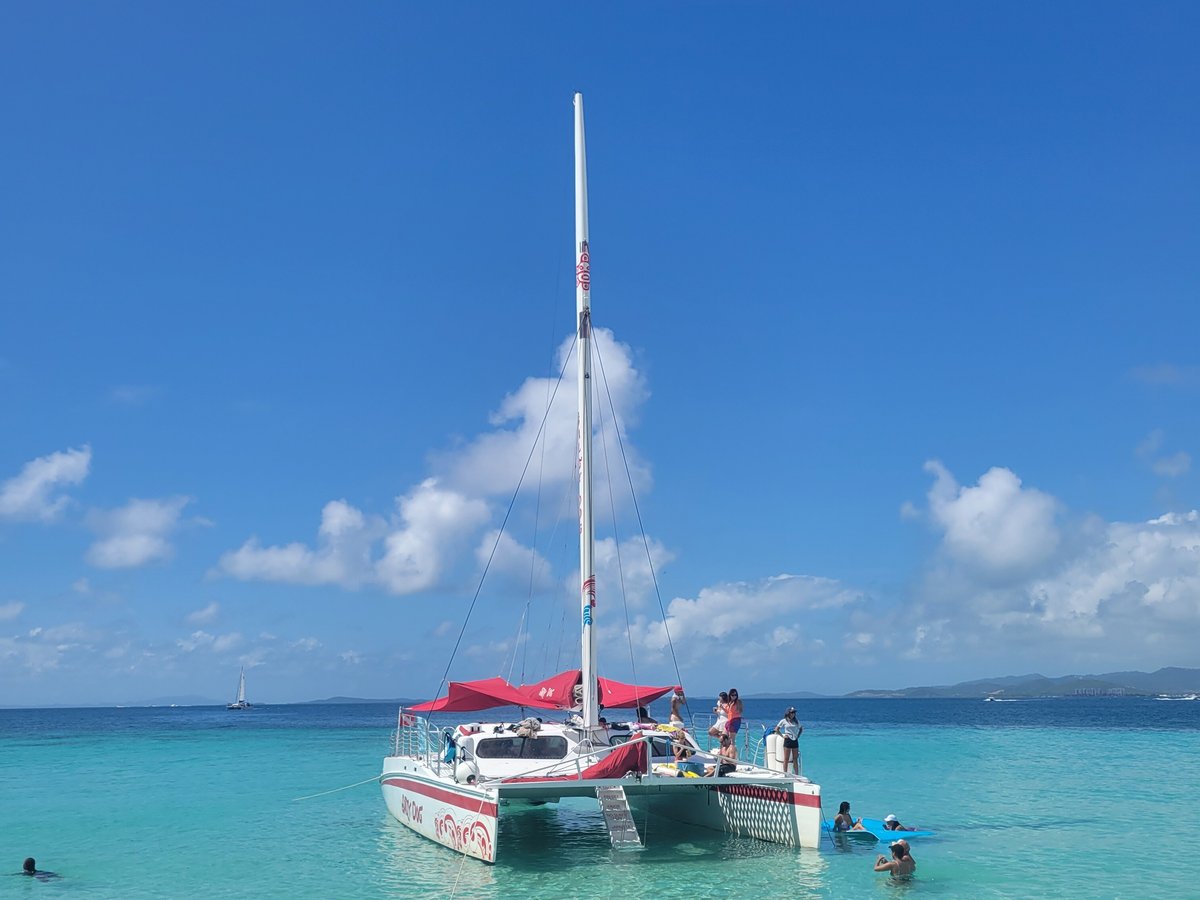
641,527
617,547
526,622
500,533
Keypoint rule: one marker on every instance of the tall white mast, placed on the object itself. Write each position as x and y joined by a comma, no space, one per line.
587,538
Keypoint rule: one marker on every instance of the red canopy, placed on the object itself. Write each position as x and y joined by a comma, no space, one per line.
556,692
613,694
468,696
557,689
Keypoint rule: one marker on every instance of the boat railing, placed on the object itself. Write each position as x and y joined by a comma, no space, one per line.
753,750
417,737
576,764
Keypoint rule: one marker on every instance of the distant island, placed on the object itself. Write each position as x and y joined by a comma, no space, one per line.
1170,681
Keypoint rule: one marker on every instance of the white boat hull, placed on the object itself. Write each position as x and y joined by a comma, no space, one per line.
465,818
459,816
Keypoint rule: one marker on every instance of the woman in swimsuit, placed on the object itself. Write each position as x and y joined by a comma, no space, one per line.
733,709
843,821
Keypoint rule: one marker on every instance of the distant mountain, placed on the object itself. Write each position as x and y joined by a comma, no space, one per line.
794,695
1172,680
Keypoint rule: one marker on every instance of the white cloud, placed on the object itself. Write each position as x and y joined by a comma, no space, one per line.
996,526
433,523
744,620
1168,374
227,642
202,640
33,494
519,565
204,616
195,641
1172,466
307,644
1118,593
10,611
43,649
134,534
631,574
81,586
428,541
342,555
29,653
491,464
135,394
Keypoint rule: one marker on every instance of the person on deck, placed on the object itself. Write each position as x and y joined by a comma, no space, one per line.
733,709
901,862
676,717
718,727
843,821
684,763
643,717
790,727
726,756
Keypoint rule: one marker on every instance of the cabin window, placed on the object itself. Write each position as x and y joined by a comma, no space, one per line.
661,747
552,747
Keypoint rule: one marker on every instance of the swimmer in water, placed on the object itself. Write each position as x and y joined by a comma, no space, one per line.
901,862
30,868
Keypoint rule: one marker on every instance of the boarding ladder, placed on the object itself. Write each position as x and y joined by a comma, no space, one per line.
622,830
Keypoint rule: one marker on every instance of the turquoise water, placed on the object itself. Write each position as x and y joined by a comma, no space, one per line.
1050,798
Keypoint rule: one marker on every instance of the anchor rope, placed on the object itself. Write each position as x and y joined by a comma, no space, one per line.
335,790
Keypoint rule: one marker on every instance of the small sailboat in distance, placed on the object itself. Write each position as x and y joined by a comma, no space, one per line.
240,702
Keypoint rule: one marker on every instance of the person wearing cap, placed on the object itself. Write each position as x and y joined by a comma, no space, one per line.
891,823
790,728
901,862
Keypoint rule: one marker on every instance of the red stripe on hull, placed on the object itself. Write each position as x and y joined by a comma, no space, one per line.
758,792
484,807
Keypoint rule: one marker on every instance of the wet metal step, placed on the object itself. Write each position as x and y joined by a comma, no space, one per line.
622,830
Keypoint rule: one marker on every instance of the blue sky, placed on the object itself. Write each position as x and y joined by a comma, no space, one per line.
899,311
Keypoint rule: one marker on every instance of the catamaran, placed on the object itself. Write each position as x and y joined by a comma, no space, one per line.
452,784
240,702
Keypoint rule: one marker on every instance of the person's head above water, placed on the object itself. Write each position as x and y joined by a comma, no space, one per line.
30,865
